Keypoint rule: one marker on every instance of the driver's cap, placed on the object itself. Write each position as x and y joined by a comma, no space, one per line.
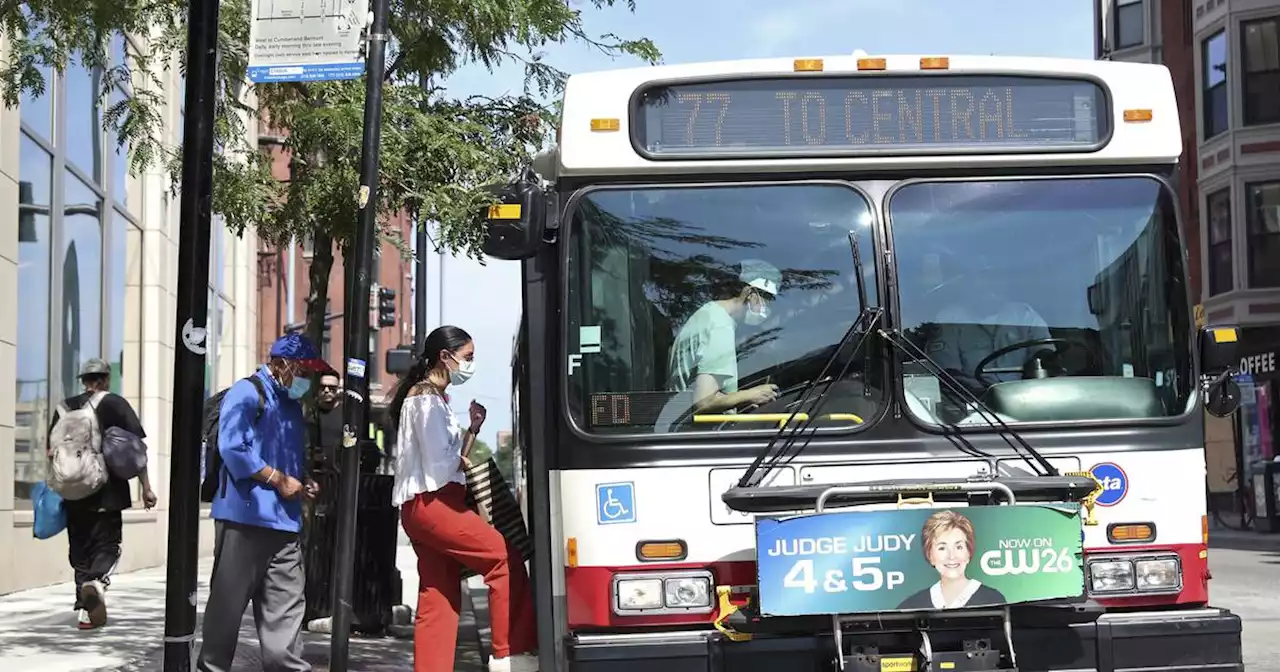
762,275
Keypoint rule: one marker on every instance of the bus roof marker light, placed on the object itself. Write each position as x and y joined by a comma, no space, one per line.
1137,116
807,65
605,125
872,64
935,63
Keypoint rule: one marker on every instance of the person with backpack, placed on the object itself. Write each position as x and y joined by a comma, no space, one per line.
260,478
94,526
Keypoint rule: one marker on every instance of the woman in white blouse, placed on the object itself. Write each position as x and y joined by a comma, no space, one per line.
430,489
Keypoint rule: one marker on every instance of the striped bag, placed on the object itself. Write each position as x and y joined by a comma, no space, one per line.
489,495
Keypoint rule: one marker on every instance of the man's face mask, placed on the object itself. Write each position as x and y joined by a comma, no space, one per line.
757,310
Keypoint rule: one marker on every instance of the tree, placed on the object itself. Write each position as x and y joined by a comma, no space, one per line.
437,151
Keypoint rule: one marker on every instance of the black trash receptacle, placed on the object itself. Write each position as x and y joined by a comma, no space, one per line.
376,584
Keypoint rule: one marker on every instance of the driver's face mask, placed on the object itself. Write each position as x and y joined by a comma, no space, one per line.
757,310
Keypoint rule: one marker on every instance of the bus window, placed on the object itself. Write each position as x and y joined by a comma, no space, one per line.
1053,300
706,308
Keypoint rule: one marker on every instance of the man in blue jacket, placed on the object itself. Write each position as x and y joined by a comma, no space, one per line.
258,512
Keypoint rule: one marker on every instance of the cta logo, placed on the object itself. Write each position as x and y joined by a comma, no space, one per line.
1115,483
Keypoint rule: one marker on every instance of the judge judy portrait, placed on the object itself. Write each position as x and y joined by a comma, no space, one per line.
948,546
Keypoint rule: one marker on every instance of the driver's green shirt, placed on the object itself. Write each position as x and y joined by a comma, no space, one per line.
706,344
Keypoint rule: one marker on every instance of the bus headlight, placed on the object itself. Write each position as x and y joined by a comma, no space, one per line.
1115,576
1158,574
662,593
688,593
1111,576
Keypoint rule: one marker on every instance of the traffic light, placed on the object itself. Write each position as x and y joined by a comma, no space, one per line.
386,307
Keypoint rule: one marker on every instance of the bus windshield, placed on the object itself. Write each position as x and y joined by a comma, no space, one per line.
709,308
1052,300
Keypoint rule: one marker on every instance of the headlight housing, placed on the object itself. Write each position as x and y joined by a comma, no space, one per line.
1128,575
659,593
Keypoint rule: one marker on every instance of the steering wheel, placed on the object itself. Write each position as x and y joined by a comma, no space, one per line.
981,368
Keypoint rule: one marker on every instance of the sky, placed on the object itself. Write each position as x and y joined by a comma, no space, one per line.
484,299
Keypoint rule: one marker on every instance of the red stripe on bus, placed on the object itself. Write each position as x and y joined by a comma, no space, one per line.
589,590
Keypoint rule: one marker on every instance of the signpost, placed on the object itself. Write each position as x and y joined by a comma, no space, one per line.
307,40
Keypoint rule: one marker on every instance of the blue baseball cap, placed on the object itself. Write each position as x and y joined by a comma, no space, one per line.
298,348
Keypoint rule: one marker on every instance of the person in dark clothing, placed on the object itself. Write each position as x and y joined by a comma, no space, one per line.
326,430
94,526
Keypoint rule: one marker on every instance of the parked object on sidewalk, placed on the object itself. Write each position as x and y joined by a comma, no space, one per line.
489,495
377,588
50,517
124,453
76,466
211,467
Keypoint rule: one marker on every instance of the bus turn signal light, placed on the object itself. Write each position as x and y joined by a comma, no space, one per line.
1137,116
1131,533
935,63
672,550
571,552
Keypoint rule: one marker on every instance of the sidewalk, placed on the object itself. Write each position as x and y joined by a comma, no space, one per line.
38,630
1242,540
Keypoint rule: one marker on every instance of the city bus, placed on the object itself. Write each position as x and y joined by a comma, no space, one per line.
864,363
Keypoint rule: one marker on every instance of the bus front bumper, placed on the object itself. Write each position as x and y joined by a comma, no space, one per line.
1204,640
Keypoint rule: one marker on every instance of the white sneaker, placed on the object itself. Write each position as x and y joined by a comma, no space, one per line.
93,596
521,662
83,621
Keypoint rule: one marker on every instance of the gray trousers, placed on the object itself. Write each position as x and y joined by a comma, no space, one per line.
263,566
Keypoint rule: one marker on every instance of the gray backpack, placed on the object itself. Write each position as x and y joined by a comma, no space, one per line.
76,466
125,453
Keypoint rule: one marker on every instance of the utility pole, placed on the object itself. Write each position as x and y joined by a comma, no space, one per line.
355,416
194,207
420,270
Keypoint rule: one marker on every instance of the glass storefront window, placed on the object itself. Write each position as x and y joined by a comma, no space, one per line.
84,130
81,271
31,412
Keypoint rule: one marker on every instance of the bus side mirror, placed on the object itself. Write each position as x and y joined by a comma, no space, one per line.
515,224
1217,360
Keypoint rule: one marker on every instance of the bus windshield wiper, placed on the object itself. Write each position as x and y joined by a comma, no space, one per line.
768,459
1011,437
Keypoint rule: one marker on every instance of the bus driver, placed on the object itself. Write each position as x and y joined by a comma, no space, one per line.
704,357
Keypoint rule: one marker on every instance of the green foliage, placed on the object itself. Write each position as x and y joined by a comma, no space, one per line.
480,452
436,151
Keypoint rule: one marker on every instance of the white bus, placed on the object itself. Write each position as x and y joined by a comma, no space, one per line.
865,363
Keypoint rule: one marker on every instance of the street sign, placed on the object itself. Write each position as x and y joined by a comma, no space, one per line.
306,40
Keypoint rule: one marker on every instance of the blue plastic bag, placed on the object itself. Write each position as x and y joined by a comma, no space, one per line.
50,517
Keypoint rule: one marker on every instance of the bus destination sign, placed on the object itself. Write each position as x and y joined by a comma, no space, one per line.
877,115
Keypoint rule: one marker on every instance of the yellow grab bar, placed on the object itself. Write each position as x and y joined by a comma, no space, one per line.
781,419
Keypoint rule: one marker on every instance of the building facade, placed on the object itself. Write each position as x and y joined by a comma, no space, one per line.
90,270
1224,56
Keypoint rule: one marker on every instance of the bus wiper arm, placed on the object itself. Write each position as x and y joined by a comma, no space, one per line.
869,315
1031,455
767,460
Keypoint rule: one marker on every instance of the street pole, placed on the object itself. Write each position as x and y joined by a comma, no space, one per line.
420,272
194,207
355,416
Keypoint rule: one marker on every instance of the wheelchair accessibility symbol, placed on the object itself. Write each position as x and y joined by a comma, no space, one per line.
615,503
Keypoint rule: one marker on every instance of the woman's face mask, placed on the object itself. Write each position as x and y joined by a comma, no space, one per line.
463,372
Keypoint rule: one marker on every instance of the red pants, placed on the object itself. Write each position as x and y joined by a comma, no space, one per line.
447,536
